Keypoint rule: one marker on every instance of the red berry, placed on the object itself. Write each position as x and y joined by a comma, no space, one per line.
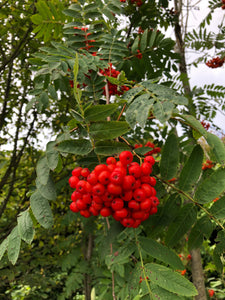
128,182
87,198
76,195
134,205
85,172
126,157
137,184
106,212
73,181
111,160
97,206
117,204
127,196
122,213
104,177
114,189
139,195
80,204
100,168
136,223
150,160
138,214
73,207
117,177
81,186
98,189
77,171
153,210
127,222
152,181
97,199
146,169
146,204
135,171
85,213
154,200
106,197
92,178
111,168
93,211
148,189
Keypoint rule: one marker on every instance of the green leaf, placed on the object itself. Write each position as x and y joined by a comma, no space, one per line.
110,147
80,146
138,110
163,110
41,209
25,226
160,293
99,112
216,146
203,227
42,170
3,247
211,187
181,224
142,150
108,130
144,38
152,38
76,115
195,124
48,190
218,208
14,242
132,93
161,252
52,158
192,169
170,280
170,157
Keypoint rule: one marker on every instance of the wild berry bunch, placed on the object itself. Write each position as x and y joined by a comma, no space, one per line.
122,189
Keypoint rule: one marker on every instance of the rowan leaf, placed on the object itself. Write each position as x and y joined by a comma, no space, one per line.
41,209
218,208
170,157
14,242
26,226
99,112
48,190
181,224
211,187
108,130
80,146
110,147
161,252
192,169
42,170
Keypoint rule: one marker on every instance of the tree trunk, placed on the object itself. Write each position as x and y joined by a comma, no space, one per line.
87,276
197,274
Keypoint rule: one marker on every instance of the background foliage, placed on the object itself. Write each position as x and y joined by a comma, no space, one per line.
46,250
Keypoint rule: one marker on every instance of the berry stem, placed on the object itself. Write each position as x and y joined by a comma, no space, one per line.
142,265
192,200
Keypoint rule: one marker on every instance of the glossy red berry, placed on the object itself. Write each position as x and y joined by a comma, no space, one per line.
73,207
139,195
77,171
73,181
114,189
128,182
85,172
117,204
98,189
122,213
150,160
111,160
104,177
135,171
116,177
106,212
126,157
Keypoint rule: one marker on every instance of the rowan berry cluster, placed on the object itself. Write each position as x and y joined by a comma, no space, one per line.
113,88
211,292
151,145
123,189
137,2
215,62
207,165
205,125
87,41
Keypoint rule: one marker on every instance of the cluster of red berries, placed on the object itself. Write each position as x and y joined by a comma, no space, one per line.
137,2
205,125
151,145
223,4
207,165
113,88
211,292
215,62
87,41
123,189
139,55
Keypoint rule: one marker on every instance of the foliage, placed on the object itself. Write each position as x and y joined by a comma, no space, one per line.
61,83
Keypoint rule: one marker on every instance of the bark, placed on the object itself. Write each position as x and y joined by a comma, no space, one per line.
87,276
197,274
